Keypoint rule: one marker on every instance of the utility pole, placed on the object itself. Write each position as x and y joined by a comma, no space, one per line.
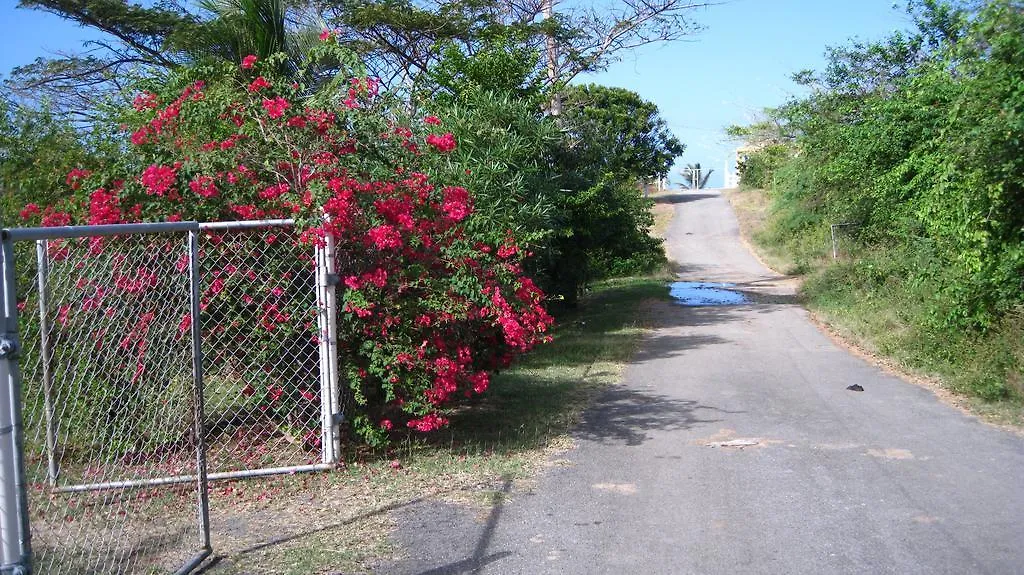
552,50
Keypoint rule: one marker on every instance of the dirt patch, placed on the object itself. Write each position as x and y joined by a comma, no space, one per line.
619,488
751,209
663,213
891,453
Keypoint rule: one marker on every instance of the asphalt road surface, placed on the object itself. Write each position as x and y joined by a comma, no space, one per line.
733,446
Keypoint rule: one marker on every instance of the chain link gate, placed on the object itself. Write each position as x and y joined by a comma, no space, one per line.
150,354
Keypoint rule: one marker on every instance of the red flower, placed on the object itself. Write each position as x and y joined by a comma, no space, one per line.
104,208
141,136
185,324
326,35
249,61
432,120
508,249
204,186
75,177
428,422
275,108
158,179
480,381
55,219
274,192
386,424
28,211
385,237
275,393
456,203
442,143
258,84
145,101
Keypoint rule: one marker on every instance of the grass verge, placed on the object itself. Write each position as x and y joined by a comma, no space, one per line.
339,522
862,300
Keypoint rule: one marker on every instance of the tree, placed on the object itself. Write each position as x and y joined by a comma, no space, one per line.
399,40
694,176
614,130
613,139
150,41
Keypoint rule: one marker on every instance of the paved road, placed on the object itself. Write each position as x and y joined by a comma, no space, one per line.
734,447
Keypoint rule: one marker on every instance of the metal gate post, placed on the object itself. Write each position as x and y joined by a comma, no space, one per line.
197,381
45,358
15,548
327,317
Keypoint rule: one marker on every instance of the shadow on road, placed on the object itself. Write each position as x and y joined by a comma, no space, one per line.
480,557
681,198
625,416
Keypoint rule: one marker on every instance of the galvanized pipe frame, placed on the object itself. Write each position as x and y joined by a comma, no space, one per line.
197,385
45,357
327,322
15,533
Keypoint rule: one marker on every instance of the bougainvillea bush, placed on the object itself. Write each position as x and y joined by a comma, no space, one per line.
427,309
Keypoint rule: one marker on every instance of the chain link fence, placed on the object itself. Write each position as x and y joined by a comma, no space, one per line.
153,358
261,349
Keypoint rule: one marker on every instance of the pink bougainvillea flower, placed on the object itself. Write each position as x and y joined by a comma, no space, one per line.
249,61
428,422
275,393
185,324
28,211
508,249
75,177
158,179
456,203
104,208
145,101
258,84
55,218
204,186
442,143
140,136
385,237
276,107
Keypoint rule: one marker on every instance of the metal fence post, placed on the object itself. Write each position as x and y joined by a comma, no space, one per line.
45,358
197,380
15,549
330,409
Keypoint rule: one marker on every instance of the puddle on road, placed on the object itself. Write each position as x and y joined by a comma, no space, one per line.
704,293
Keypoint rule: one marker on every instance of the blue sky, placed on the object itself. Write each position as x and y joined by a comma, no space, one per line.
740,64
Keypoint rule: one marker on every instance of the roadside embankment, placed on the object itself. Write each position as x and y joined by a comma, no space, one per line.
861,298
